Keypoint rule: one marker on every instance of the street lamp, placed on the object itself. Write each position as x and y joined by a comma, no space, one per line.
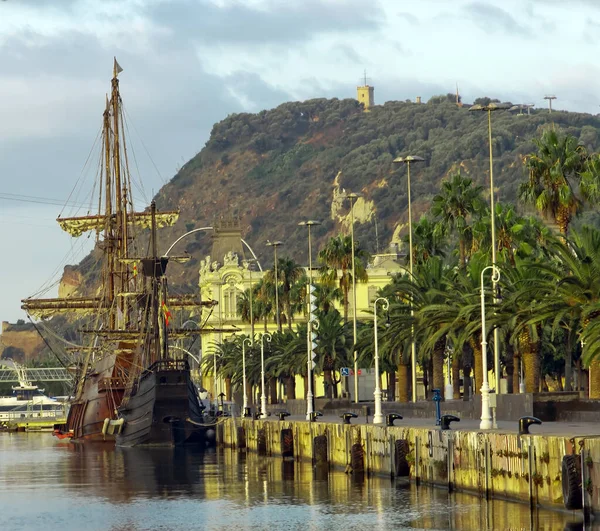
277,318
378,417
486,416
489,108
408,160
263,397
245,401
353,197
309,392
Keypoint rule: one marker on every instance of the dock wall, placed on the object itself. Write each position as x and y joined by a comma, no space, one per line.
526,468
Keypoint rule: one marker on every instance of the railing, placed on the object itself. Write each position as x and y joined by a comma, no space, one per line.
169,365
45,374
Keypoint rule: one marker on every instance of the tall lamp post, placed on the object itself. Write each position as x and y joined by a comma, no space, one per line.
277,318
353,197
378,417
408,160
486,416
245,401
309,392
263,396
490,107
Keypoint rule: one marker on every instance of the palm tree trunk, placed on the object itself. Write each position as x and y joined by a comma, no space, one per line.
403,380
477,363
531,361
273,390
568,370
594,369
438,364
391,386
328,380
290,387
516,376
468,384
563,218
346,303
510,361
228,389
455,376
462,253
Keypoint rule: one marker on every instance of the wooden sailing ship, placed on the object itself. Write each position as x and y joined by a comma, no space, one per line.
131,386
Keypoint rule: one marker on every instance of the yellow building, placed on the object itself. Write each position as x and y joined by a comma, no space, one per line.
224,281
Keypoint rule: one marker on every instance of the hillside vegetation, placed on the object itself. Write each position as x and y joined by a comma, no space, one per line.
277,167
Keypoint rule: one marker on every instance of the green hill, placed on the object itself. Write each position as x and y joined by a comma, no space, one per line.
277,167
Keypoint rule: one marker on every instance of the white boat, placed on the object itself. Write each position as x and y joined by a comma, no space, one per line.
28,402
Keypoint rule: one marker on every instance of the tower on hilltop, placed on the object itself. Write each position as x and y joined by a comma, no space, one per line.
364,94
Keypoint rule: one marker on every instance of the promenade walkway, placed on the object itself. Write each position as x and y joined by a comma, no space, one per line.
563,429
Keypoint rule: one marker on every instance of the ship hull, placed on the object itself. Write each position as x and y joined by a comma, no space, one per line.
163,409
100,397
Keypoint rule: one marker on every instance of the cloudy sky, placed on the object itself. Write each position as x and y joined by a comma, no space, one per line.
190,63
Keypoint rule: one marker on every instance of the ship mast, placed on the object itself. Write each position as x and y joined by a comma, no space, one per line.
121,237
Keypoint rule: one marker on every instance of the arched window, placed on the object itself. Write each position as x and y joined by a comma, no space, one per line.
230,297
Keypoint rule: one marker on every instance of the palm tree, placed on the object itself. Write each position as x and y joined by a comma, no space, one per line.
454,207
263,299
279,364
289,273
553,172
573,293
334,348
327,294
515,235
427,290
336,256
428,240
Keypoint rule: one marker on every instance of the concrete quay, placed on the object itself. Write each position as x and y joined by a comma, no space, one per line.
497,463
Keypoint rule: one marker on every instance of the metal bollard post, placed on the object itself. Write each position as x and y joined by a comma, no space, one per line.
437,398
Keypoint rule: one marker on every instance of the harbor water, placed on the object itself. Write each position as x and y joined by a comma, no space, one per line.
55,485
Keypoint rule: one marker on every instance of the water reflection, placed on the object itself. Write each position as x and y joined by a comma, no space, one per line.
53,485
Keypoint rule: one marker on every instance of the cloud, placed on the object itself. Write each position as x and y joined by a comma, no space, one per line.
492,18
272,21
409,17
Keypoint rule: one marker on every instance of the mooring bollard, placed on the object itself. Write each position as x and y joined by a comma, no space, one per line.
446,420
257,414
283,414
347,416
525,422
247,412
391,417
314,415
437,398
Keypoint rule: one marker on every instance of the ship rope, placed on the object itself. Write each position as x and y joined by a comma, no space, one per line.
219,420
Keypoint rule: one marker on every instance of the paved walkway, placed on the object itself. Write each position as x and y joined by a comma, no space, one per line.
563,429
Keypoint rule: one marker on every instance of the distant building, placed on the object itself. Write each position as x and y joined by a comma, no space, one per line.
364,94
